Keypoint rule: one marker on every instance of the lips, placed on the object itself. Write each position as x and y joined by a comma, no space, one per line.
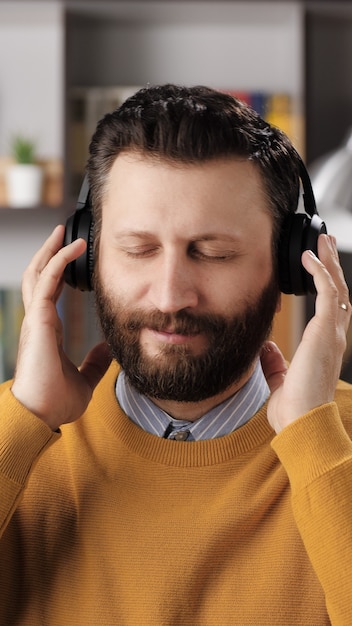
176,331
172,336
185,328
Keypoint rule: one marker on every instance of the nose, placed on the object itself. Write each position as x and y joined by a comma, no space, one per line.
174,284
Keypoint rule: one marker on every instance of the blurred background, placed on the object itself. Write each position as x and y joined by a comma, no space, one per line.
63,64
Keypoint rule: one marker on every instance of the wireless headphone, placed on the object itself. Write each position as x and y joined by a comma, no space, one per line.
300,231
78,274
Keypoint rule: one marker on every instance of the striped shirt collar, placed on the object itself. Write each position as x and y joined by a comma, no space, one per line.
219,421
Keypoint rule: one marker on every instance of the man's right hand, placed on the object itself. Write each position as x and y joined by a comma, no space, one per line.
46,382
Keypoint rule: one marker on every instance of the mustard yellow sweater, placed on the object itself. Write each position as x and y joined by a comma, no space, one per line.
107,525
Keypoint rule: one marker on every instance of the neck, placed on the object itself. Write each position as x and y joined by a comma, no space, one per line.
191,411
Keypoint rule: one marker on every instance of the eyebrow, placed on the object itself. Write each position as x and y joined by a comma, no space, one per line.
143,234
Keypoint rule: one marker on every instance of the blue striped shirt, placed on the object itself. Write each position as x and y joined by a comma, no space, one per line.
219,421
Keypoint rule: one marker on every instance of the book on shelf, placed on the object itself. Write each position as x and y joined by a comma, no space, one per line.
11,316
279,109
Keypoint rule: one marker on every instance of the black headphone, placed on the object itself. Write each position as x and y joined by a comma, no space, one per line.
78,274
300,231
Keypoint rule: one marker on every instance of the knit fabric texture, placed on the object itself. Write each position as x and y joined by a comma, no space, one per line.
105,524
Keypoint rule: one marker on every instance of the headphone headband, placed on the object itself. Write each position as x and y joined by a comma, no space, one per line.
308,193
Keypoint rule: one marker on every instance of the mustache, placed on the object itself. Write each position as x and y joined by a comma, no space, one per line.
181,322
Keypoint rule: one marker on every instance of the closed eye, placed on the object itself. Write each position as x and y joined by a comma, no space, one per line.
211,254
141,251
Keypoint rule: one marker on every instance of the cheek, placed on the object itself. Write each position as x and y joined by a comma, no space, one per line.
115,280
242,285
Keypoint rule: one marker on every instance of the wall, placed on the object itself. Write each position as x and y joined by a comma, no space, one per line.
328,87
31,74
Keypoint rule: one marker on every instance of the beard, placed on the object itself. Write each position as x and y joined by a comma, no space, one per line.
175,373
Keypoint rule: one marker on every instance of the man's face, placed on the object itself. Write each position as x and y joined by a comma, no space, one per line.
184,284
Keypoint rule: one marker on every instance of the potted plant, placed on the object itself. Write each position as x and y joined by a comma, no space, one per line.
24,175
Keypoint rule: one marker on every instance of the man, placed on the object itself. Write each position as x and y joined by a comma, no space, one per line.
167,487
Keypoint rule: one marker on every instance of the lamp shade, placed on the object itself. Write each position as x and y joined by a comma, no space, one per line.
331,177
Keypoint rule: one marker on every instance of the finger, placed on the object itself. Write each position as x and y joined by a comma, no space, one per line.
45,271
332,290
52,274
273,364
39,261
327,292
328,327
332,263
329,256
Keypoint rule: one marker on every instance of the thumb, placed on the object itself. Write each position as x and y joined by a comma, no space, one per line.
273,364
95,364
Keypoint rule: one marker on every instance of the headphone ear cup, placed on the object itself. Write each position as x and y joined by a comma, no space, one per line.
299,233
290,250
78,274
70,271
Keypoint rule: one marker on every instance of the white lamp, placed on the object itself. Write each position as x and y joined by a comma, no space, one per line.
331,177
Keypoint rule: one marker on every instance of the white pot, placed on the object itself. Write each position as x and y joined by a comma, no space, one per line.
24,185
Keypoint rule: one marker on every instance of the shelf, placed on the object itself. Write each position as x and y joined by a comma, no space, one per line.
35,209
41,216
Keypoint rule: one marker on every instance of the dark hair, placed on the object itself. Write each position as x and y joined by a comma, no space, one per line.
189,125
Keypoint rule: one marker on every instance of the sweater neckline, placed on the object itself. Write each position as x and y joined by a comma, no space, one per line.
169,452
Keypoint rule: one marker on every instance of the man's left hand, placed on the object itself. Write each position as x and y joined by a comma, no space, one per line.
311,378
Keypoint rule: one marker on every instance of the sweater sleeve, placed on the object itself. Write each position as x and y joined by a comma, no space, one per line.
316,453
23,438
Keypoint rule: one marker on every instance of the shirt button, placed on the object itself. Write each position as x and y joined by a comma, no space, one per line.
181,435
